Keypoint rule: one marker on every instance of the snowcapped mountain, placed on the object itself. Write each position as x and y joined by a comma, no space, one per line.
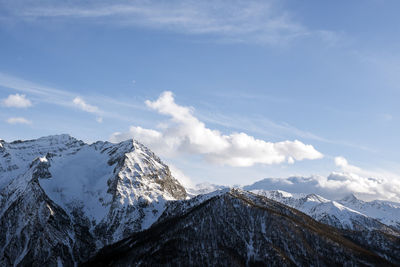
386,212
61,199
347,213
237,228
325,211
204,188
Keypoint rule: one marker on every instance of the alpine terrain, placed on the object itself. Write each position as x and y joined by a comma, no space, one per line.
67,203
236,227
61,199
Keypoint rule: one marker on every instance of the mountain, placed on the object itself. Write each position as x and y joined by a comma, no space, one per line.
326,211
204,188
386,212
235,227
61,200
348,212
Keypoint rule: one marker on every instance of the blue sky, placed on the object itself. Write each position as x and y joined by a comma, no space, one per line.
325,74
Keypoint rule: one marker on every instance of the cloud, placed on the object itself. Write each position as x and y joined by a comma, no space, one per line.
18,120
345,166
255,21
17,101
367,185
387,117
265,126
184,133
53,96
80,103
180,176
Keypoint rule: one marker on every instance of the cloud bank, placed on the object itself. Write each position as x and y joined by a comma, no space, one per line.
16,101
186,134
349,180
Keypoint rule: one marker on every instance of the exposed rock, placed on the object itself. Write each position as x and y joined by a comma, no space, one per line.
240,229
65,199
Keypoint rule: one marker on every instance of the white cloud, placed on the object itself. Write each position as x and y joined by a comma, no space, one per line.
345,166
54,96
99,119
255,21
17,101
81,104
367,185
18,120
184,133
180,176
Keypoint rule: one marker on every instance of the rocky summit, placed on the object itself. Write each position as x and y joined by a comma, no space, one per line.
61,199
67,203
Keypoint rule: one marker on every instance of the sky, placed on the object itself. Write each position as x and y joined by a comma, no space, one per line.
226,92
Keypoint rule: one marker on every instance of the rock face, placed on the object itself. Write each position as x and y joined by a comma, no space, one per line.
64,202
238,228
61,199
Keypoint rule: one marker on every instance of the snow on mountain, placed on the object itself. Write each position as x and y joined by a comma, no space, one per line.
93,194
324,210
204,188
386,212
348,212
233,227
61,200
16,156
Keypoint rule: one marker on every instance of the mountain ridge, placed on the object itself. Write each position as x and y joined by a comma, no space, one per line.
62,201
99,193
243,229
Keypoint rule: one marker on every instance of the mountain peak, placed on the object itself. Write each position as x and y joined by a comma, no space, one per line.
108,190
350,198
57,138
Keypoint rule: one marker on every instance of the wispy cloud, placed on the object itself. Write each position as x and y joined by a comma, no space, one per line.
266,126
81,104
387,117
46,94
253,21
18,120
17,101
64,98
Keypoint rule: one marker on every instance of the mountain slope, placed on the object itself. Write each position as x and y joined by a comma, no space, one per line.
345,210
62,199
237,228
384,211
326,211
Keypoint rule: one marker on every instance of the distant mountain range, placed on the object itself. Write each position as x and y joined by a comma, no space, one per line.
346,211
64,203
